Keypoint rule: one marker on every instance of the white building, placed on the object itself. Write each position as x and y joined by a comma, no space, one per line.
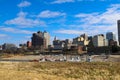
47,37
99,40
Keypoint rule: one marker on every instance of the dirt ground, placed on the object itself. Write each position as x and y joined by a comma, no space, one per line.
94,58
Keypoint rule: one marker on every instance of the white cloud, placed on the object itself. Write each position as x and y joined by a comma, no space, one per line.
28,37
64,31
62,1
91,31
92,0
94,23
110,16
101,22
14,30
24,4
3,36
50,14
22,21
22,14
76,32
70,1
85,15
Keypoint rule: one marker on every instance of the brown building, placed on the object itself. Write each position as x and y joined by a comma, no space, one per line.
112,43
38,41
29,44
78,49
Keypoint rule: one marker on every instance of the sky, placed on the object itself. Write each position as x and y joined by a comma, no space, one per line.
65,19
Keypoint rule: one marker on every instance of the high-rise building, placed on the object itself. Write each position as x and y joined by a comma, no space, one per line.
38,41
99,40
47,37
118,24
41,39
110,36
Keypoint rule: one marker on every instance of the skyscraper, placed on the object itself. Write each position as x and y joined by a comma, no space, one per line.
41,39
99,40
47,37
110,36
38,41
118,24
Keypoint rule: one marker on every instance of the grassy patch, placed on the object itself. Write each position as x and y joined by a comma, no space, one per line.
59,71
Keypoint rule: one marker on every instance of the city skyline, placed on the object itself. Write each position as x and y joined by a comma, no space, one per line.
61,18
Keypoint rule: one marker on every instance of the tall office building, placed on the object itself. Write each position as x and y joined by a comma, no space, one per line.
99,40
38,41
118,24
41,39
47,37
110,36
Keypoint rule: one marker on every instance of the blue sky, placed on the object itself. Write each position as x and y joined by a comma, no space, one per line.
61,18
